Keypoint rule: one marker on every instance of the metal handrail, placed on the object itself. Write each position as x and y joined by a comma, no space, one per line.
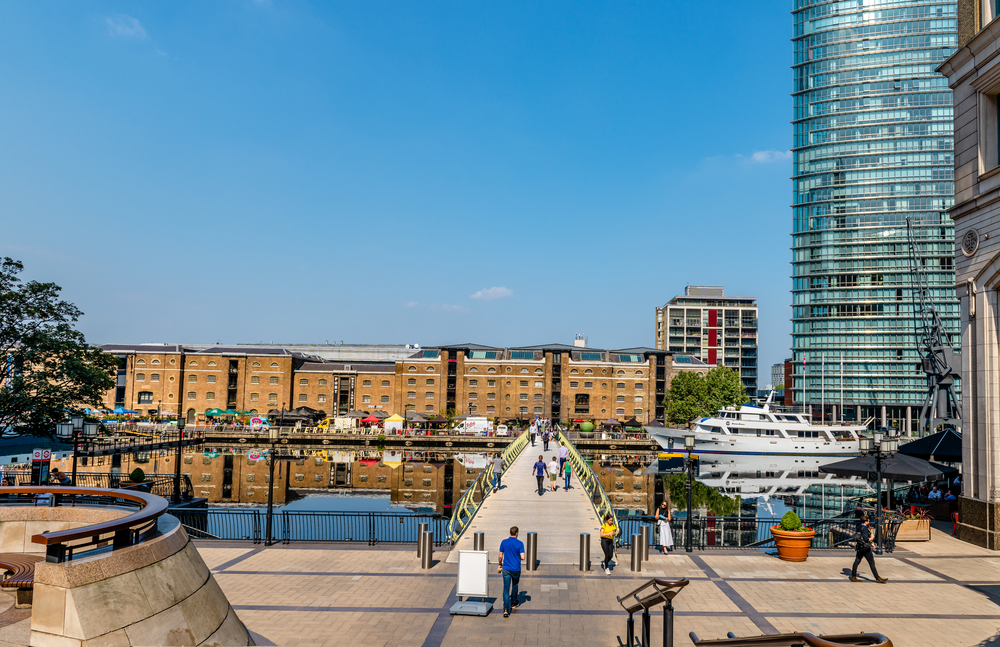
467,506
591,485
796,639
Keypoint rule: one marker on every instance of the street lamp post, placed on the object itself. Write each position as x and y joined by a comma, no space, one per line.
177,461
688,465
70,432
273,436
883,444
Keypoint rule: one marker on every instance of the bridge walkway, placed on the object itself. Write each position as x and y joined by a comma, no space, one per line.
558,517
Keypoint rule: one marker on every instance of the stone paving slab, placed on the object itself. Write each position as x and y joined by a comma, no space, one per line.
325,595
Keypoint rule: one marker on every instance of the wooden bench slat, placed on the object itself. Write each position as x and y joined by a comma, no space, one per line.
21,567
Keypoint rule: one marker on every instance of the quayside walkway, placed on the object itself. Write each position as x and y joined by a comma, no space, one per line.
558,517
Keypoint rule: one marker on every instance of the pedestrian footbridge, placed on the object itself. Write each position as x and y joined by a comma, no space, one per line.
557,517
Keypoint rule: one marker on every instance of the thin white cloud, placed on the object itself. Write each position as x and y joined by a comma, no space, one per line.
489,294
410,304
447,307
125,26
763,157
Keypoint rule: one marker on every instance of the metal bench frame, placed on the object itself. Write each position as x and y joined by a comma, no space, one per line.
655,591
804,639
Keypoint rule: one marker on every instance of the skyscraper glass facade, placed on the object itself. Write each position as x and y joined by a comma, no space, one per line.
873,145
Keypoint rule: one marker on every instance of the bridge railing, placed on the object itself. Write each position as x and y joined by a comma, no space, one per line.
591,485
468,505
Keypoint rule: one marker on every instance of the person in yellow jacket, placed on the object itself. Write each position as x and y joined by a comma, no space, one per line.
608,530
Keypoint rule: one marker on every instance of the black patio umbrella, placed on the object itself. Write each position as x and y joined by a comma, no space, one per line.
439,420
655,423
899,467
944,446
355,414
413,416
632,423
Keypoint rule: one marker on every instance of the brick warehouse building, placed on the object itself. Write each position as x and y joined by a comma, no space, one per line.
554,381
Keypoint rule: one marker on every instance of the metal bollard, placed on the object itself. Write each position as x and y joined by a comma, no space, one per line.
531,551
584,551
644,531
479,541
421,529
427,556
636,554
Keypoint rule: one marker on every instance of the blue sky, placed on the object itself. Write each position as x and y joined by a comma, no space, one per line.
504,173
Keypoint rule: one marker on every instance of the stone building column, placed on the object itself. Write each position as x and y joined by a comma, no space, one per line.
883,417
906,425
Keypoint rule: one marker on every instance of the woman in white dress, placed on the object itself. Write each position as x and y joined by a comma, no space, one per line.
663,527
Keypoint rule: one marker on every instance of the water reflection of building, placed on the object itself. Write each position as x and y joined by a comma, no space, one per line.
626,482
796,480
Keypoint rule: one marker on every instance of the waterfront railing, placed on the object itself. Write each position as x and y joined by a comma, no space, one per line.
290,526
741,532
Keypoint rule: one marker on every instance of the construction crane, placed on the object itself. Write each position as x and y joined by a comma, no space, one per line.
938,359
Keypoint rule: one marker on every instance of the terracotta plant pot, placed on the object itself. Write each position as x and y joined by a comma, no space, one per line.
793,546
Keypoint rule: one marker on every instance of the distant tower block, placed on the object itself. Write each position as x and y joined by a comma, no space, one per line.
580,341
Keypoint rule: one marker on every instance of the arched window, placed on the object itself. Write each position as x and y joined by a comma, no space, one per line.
621,373
274,365
574,372
430,369
211,363
156,362
491,370
140,362
192,363
538,371
412,368
638,373
256,364
588,372
524,370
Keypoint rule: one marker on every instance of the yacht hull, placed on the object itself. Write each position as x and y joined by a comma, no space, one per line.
709,443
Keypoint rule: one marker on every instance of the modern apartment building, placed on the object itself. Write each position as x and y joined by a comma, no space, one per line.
718,330
974,75
873,146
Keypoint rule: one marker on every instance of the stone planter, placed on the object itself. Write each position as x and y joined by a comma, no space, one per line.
914,530
586,434
793,546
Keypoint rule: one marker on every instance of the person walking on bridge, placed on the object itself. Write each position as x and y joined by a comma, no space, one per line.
567,472
539,469
553,473
546,437
511,554
497,471
563,453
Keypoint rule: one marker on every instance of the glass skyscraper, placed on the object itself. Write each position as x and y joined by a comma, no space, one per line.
873,145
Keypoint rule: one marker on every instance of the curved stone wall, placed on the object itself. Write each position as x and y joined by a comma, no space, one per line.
18,524
159,592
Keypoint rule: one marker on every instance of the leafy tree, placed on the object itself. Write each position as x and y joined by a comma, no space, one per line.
686,397
46,367
725,389
692,396
702,496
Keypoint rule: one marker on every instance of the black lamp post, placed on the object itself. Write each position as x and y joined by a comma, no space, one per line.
177,461
689,466
272,433
882,445
70,432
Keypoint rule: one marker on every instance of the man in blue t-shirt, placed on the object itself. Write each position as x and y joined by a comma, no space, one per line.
511,554
538,469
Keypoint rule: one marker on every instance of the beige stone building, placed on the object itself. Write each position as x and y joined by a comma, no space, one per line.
973,73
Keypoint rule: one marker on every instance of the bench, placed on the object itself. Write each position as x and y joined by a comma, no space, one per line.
796,640
651,594
19,574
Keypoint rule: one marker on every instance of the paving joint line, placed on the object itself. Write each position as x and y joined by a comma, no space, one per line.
748,609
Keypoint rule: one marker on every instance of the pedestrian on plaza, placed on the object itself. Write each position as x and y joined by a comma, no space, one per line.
539,469
608,543
59,477
546,437
863,549
533,431
497,471
567,471
511,554
663,527
553,473
563,453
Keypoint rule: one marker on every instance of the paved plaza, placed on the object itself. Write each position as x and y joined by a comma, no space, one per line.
943,592
940,593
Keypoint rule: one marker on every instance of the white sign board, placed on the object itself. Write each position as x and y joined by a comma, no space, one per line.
473,573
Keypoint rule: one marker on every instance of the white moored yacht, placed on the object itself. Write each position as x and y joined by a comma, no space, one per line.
758,430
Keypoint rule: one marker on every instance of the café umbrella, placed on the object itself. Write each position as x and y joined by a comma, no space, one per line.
945,446
898,467
214,412
371,419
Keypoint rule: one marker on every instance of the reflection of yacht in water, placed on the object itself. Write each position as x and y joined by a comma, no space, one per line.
771,476
759,430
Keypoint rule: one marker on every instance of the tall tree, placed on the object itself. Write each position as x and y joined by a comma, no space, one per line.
46,367
686,397
725,389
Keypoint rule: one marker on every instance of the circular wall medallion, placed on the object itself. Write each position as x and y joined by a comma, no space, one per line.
970,242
